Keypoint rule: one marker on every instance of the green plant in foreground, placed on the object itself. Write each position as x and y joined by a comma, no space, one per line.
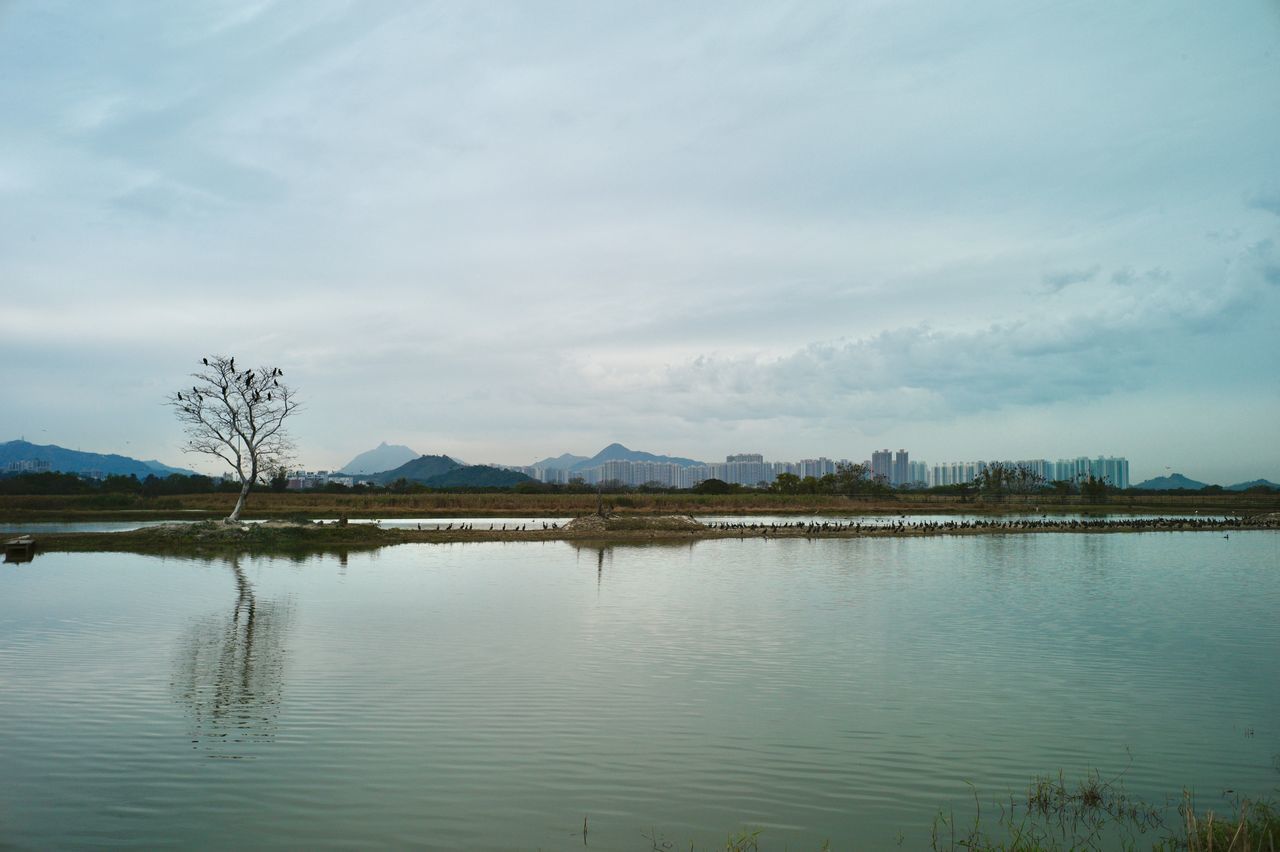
1097,814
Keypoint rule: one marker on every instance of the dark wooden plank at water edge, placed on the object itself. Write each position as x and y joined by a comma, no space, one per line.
20,549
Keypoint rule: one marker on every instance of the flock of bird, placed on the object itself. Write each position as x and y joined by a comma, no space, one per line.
492,527
905,526
1044,523
243,381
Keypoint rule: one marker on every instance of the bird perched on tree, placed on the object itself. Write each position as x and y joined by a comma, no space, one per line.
240,423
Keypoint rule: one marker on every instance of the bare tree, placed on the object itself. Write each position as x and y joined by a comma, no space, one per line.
239,418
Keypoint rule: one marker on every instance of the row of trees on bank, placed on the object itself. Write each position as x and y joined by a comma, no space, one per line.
149,486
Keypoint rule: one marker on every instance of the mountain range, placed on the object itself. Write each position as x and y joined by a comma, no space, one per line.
561,462
1172,482
613,452
1253,483
388,462
76,461
1176,481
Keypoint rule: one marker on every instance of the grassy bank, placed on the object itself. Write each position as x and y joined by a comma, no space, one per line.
267,504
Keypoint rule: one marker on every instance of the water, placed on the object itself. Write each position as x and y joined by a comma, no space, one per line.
491,695
37,527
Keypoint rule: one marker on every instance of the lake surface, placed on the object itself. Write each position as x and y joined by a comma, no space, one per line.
490,695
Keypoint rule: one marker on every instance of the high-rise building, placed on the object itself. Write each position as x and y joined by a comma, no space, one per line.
746,469
817,468
901,469
1114,470
955,473
882,465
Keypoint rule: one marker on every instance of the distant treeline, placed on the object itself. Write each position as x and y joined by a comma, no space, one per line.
151,486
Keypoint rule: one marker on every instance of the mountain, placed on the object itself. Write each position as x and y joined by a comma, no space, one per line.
561,462
382,457
444,472
617,452
1173,482
74,461
1256,483
477,476
162,469
418,470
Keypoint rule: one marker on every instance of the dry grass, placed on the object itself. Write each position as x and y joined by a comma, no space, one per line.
1252,827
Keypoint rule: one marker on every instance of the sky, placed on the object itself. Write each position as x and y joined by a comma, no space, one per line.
502,231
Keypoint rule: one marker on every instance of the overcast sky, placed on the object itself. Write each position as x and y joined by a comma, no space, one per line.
505,231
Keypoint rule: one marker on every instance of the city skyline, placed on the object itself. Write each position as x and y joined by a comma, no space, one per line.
752,469
975,232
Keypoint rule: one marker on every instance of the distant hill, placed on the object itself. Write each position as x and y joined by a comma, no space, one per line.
1256,483
382,457
561,462
444,472
162,469
1173,482
418,470
617,452
75,461
477,476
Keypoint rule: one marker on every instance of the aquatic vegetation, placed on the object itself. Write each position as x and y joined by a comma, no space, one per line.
1097,814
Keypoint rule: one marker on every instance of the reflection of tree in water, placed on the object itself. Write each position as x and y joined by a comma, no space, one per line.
230,672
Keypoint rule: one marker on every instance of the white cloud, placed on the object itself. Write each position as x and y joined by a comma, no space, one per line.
513,225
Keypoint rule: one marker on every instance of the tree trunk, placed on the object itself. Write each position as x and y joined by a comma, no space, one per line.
244,493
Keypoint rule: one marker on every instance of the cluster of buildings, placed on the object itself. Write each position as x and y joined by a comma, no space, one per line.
301,479
1114,470
894,468
740,469
898,470
28,466
42,466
